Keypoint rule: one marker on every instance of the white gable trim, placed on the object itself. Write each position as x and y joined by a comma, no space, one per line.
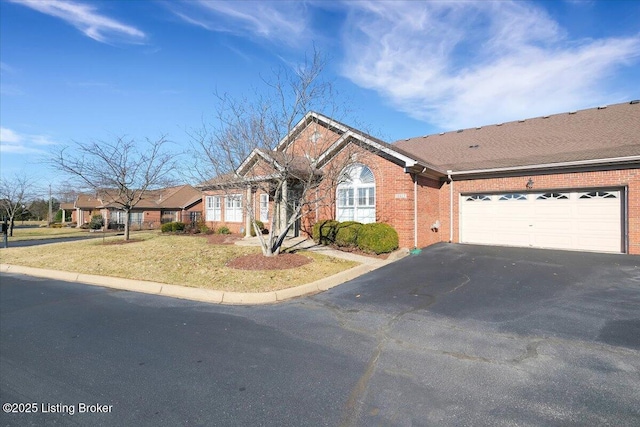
305,122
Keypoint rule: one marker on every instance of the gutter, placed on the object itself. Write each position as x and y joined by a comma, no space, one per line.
576,163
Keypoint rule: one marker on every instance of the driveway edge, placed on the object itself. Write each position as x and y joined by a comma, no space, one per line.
198,294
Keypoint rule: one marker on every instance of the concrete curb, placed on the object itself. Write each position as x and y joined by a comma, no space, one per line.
198,294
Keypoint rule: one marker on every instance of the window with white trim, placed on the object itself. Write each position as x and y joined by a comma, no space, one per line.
356,195
513,196
598,195
478,197
213,208
233,208
136,218
553,196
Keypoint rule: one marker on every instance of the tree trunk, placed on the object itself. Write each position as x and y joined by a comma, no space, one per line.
126,224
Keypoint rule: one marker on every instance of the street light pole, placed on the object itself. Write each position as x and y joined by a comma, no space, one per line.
50,218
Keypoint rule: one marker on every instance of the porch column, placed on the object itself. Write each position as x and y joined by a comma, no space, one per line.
284,199
247,217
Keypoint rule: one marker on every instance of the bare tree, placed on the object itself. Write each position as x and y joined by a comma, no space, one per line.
120,172
14,194
247,149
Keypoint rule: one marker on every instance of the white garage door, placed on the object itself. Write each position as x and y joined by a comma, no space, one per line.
580,220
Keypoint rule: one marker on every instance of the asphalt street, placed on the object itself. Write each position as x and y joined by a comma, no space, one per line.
37,242
456,336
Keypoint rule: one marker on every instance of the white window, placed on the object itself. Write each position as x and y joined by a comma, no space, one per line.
233,208
553,196
478,197
136,218
117,217
214,208
513,196
264,208
356,195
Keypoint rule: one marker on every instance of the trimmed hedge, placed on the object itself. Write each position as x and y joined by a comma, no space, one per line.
96,222
324,232
168,227
377,238
347,233
260,225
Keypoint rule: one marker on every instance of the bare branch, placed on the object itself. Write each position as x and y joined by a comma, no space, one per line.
251,144
121,171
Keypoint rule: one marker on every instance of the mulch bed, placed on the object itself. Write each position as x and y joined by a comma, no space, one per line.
261,262
223,239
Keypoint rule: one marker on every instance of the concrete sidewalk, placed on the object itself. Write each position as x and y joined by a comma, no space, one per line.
367,264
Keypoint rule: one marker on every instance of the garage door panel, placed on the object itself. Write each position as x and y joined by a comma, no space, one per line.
562,220
515,239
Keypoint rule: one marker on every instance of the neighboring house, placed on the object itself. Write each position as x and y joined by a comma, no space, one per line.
182,203
565,181
67,209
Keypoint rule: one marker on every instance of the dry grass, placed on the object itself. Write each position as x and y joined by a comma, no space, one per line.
181,260
33,233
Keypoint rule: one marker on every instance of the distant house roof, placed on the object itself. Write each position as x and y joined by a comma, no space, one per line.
611,132
179,197
87,201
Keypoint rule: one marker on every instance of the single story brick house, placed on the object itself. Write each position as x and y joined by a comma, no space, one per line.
181,203
563,181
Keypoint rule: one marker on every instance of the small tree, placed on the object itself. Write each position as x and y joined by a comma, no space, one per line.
292,176
14,194
120,172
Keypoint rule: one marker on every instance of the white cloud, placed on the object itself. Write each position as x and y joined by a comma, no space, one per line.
87,19
16,143
279,21
458,65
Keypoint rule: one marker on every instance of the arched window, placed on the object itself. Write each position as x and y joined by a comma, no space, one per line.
356,195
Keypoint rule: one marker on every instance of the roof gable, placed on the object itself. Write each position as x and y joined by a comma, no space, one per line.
347,135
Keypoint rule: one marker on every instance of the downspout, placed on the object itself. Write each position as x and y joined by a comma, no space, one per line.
415,208
450,206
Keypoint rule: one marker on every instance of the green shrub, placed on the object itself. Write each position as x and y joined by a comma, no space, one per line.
324,232
347,233
178,226
377,238
260,225
166,227
96,222
224,230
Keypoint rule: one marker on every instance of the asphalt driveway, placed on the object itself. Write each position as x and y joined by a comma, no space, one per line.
458,335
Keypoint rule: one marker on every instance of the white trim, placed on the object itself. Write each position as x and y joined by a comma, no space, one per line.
233,213
591,162
303,122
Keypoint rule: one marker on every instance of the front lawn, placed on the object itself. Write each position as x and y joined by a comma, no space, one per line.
33,233
173,259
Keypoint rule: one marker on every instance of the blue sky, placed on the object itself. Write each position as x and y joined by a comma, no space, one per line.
80,71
